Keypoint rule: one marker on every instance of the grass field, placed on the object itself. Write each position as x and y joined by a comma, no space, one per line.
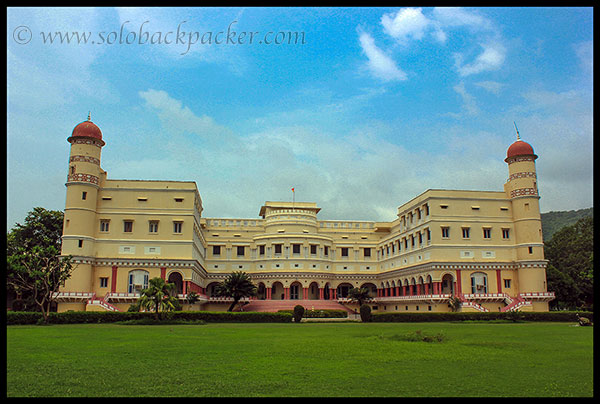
308,359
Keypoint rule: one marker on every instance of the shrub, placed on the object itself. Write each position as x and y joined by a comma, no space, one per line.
318,313
298,313
365,313
78,317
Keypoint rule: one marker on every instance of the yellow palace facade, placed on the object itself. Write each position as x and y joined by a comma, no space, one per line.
484,247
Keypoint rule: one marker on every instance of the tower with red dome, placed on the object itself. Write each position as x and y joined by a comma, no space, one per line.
522,190
83,181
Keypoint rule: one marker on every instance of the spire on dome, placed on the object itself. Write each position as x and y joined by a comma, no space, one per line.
89,115
518,136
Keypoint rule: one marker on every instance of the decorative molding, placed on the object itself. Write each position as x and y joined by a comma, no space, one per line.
528,174
92,179
85,159
523,192
98,143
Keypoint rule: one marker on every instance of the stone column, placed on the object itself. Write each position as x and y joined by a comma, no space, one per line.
499,280
113,280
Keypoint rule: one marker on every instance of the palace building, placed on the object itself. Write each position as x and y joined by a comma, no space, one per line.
484,247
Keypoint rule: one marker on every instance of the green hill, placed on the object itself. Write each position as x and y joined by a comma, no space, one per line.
554,221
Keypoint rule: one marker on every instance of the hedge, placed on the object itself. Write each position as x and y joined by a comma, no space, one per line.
78,317
329,313
565,316
75,317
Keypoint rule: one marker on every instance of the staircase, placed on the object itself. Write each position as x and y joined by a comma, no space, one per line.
276,305
94,301
475,306
516,304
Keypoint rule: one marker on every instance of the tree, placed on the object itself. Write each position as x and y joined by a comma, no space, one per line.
42,228
38,272
570,271
192,297
159,295
360,295
237,285
454,303
33,270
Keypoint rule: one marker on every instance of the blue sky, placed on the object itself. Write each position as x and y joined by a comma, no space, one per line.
375,107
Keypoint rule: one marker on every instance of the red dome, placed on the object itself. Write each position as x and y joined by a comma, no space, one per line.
87,129
520,148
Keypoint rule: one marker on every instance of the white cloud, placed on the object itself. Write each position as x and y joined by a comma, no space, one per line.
491,58
380,64
349,176
407,23
491,86
585,54
460,17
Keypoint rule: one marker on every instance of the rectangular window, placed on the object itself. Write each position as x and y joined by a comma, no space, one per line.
507,283
153,226
344,251
530,250
487,233
84,195
240,251
445,232
505,233
367,252
104,225
216,250
80,243
465,232
326,250
128,226
261,249
278,248
313,249
103,282
177,227
296,248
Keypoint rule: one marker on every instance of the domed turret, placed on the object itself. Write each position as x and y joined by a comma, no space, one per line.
519,148
86,130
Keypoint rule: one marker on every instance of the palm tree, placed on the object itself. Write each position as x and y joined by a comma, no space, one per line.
159,295
237,285
359,294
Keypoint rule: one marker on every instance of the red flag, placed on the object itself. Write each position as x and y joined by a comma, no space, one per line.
293,190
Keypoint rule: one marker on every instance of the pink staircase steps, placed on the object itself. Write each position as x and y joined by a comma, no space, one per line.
276,305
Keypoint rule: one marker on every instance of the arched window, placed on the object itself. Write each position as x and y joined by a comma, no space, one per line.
138,280
478,282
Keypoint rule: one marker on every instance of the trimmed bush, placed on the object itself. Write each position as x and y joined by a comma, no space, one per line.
365,313
298,313
77,317
566,316
326,313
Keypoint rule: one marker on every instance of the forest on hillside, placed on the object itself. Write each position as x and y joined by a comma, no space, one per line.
554,221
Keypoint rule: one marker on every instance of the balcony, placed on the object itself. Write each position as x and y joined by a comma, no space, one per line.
434,299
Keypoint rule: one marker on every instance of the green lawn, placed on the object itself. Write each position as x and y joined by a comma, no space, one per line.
307,359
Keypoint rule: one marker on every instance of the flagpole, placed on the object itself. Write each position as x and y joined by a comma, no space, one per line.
293,198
